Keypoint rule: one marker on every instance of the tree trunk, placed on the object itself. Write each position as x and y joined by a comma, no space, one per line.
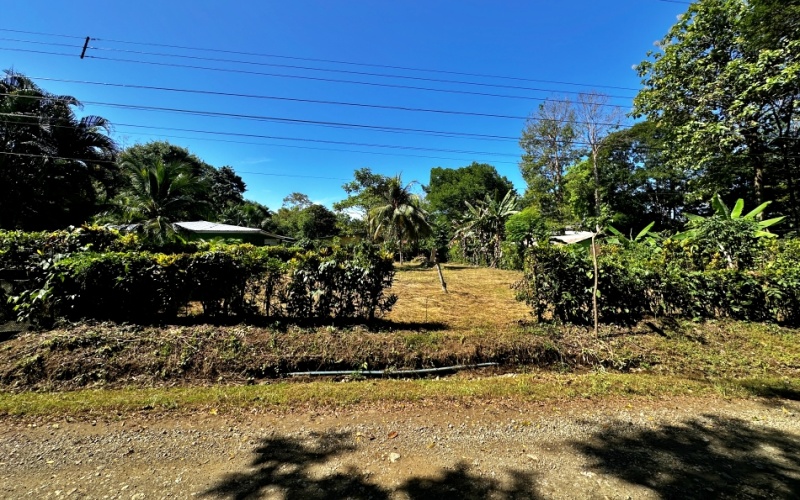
596,184
758,187
594,289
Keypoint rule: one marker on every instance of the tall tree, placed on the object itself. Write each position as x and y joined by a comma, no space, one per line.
301,218
724,84
225,187
637,185
363,194
55,169
158,195
549,147
399,215
450,188
248,214
317,221
597,118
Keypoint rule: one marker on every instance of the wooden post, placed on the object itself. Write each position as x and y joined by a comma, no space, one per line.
435,255
594,289
85,46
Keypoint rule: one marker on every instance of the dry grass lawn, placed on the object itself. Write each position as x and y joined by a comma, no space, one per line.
479,300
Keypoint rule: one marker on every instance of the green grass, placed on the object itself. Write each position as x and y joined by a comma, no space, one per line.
288,395
478,321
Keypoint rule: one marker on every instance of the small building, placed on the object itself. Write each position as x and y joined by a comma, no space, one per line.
204,230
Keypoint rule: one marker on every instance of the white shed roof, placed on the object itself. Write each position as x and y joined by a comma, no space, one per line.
570,237
202,226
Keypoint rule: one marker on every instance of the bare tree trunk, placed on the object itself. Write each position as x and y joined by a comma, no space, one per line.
758,187
596,184
594,289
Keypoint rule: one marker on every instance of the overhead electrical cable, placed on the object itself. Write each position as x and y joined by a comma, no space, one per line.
309,59
381,128
302,139
360,73
300,77
84,160
259,136
280,98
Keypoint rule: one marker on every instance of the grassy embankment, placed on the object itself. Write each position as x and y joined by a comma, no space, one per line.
112,368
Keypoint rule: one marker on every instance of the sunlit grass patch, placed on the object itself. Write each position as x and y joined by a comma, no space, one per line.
287,395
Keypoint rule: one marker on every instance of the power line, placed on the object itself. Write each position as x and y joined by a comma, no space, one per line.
83,160
378,153
268,144
291,99
301,139
306,68
328,70
300,77
380,128
279,98
331,61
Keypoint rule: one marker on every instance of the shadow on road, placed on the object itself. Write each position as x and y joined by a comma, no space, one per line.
290,468
700,458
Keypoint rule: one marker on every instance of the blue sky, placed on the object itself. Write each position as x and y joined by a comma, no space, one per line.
549,46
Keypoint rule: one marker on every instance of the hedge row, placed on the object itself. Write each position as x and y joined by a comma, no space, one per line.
59,275
635,283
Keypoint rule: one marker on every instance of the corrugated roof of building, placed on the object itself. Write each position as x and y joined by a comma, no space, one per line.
202,226
570,237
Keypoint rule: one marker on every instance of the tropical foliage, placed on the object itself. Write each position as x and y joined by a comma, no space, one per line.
482,228
55,168
398,216
93,273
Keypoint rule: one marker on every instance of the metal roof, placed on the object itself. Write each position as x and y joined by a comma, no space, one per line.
570,237
205,227
202,226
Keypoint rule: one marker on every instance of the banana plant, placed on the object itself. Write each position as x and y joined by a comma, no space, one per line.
722,211
646,235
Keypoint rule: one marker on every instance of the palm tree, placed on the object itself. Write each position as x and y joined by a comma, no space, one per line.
53,166
483,226
158,195
399,215
247,214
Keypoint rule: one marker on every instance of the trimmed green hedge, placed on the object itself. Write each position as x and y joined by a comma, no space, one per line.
69,277
641,281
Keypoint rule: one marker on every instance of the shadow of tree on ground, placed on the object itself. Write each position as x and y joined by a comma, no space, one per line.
289,468
706,457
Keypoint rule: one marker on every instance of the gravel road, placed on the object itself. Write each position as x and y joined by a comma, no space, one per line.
627,448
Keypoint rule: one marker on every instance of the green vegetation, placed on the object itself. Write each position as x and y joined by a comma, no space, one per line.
287,395
719,119
112,279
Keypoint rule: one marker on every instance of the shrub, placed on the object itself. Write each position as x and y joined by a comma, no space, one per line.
240,281
640,280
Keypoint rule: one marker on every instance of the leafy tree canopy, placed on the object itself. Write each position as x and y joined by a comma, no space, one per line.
450,188
223,187
725,86
636,184
56,169
300,218
549,148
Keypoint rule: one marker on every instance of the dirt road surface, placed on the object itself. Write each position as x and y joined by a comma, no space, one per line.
626,448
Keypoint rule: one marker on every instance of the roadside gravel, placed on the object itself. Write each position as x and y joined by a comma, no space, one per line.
625,448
